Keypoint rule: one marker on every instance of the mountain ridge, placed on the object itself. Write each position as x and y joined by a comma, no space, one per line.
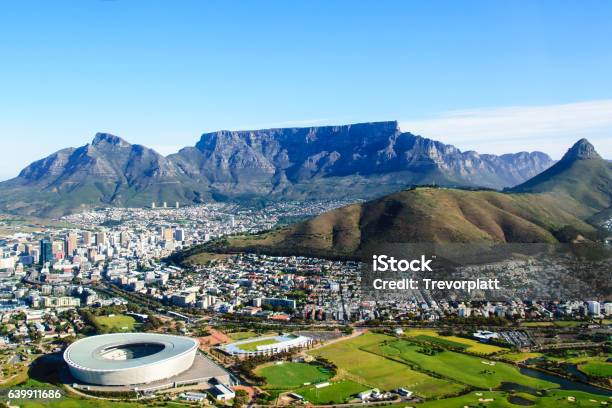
358,161
541,210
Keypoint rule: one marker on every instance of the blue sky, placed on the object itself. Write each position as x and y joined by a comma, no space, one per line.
493,76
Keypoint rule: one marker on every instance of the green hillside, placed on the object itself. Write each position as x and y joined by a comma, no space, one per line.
555,206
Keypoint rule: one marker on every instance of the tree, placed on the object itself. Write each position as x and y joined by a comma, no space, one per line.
241,398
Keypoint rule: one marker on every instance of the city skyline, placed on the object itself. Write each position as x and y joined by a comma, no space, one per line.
160,75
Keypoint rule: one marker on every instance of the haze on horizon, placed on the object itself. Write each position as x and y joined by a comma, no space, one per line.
492,77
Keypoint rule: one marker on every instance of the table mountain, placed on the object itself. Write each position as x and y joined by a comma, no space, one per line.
357,161
558,205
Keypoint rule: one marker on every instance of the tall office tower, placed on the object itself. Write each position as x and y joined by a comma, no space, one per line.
179,234
594,307
165,204
87,238
101,238
166,233
177,205
70,243
46,251
92,254
153,205
124,239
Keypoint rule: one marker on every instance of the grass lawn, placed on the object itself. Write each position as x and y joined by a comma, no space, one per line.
335,393
290,375
473,346
241,335
75,403
252,346
597,369
568,323
537,324
441,341
376,371
69,401
117,323
498,399
460,367
519,357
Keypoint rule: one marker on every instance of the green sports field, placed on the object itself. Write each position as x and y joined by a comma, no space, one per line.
290,375
116,323
463,368
241,335
470,345
376,371
498,399
597,369
252,346
335,393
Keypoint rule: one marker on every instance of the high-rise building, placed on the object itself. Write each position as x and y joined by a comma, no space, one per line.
46,251
124,239
70,243
594,307
92,254
87,238
166,234
179,234
101,238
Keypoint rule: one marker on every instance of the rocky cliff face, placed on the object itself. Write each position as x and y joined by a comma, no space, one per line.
353,161
268,159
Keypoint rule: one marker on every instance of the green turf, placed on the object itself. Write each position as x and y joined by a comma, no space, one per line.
335,393
568,323
441,341
597,369
473,345
117,323
252,346
241,335
376,371
460,367
519,356
478,399
290,375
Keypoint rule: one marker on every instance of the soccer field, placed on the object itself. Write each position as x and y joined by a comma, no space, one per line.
376,371
290,375
335,393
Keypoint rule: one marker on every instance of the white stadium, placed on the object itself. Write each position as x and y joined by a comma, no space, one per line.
129,358
267,345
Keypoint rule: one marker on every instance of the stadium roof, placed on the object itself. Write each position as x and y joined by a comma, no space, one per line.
88,353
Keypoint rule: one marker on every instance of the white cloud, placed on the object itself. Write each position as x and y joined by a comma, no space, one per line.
551,128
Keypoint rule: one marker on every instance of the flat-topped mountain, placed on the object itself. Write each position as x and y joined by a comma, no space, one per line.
559,205
359,161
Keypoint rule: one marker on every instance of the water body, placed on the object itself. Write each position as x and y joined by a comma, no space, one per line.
564,384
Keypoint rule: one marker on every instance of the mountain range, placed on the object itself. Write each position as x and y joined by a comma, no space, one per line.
359,161
557,205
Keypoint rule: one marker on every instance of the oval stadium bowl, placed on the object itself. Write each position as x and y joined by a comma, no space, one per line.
129,358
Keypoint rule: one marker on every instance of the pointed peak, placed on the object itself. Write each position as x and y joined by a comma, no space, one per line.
581,150
107,138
